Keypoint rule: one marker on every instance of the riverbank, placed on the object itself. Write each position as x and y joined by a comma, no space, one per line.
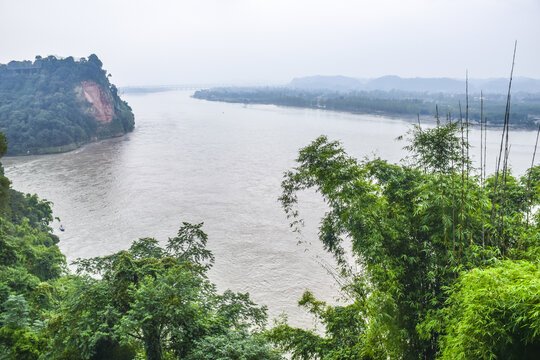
524,114
64,148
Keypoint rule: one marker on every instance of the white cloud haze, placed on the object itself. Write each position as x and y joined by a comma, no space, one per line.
272,41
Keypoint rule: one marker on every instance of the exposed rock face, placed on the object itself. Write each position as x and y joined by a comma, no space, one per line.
58,104
102,109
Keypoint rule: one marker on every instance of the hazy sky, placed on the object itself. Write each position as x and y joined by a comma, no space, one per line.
272,41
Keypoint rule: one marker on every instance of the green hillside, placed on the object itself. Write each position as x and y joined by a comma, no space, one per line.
53,105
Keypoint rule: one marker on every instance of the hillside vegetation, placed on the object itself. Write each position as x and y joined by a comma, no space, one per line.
417,84
437,260
525,109
53,104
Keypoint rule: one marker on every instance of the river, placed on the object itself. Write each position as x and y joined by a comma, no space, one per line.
221,164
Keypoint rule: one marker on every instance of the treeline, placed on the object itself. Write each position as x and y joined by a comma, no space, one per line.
40,110
525,109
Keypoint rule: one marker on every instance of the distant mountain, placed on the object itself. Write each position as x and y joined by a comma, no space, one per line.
430,85
500,85
392,82
334,83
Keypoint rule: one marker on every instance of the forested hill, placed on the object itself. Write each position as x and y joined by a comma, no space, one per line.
430,85
53,104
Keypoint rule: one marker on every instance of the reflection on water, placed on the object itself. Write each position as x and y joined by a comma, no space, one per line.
192,160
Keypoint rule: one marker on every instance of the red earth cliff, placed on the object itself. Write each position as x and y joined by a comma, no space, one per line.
102,109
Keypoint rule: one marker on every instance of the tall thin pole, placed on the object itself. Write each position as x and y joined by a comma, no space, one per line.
505,132
481,137
506,147
485,145
462,179
529,179
482,163
467,119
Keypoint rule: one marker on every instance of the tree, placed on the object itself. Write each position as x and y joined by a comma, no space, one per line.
17,339
233,345
15,314
155,301
493,313
344,327
95,60
413,229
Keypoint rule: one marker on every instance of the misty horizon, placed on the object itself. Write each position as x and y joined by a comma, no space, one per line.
285,82
241,42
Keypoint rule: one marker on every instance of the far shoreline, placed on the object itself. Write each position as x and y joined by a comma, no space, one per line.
413,119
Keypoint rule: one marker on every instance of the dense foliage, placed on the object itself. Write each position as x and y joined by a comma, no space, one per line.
40,110
449,259
525,107
30,262
156,301
494,313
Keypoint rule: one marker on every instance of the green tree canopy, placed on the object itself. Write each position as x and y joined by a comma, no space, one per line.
155,301
414,228
493,313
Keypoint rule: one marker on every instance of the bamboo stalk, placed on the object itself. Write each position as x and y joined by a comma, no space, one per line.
481,164
529,178
501,216
449,117
503,137
481,136
506,147
462,176
485,146
467,120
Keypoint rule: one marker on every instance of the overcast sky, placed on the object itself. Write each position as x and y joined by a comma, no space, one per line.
272,41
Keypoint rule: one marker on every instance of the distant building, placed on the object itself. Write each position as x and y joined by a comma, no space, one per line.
23,67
